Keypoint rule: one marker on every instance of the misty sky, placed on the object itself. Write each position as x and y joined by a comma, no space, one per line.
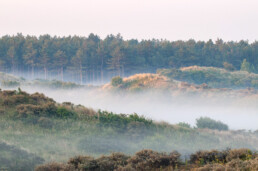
141,19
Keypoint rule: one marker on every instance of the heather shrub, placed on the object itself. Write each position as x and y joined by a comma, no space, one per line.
243,154
237,164
28,109
204,157
112,162
84,111
55,167
48,109
205,122
212,167
148,160
103,163
214,156
83,163
39,98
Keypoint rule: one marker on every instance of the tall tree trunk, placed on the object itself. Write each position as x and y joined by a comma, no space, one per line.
123,71
32,71
13,66
45,72
93,75
62,74
81,73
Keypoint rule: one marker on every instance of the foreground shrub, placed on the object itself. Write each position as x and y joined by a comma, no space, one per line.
243,154
148,159
205,122
151,160
204,157
214,156
54,167
183,124
211,167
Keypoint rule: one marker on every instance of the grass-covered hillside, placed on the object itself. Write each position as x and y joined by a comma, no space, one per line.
213,77
161,84
56,132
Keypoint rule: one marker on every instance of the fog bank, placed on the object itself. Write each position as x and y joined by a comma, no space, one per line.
162,107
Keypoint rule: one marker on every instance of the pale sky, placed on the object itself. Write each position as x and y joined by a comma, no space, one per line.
141,19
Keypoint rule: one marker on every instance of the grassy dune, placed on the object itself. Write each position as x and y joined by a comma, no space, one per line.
213,77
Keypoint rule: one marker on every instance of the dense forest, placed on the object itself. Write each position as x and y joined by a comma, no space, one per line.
91,59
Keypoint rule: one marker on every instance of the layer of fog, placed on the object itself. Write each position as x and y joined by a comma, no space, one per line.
161,107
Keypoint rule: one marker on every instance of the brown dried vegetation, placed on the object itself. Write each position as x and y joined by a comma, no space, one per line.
151,160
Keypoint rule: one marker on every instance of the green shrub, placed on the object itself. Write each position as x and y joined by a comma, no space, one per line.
120,122
205,122
116,81
183,124
62,112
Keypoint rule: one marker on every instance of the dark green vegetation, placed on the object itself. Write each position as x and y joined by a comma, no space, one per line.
238,159
213,77
12,158
91,59
205,122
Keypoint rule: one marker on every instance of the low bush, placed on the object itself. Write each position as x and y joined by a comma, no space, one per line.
204,157
55,167
149,160
62,112
243,154
183,124
116,81
205,122
214,156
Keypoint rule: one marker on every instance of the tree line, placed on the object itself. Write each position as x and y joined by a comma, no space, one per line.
92,59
